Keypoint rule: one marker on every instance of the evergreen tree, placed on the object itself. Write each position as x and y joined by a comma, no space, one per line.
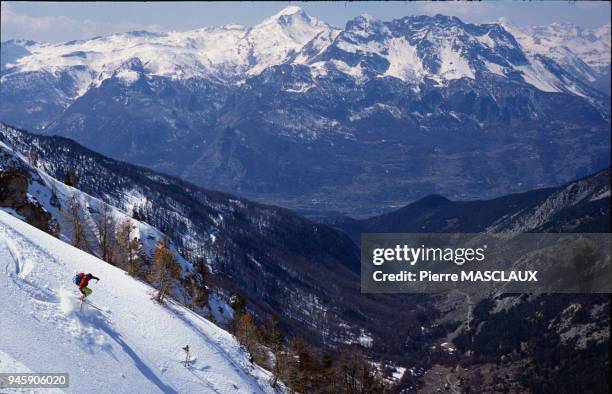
237,302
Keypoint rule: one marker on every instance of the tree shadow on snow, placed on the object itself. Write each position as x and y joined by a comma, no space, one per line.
173,308
98,320
138,362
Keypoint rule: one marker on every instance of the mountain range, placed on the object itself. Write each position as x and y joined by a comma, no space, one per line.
360,119
503,129
582,206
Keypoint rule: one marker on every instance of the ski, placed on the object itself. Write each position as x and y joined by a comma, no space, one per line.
90,304
93,306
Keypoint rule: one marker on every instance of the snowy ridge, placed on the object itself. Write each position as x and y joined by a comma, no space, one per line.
562,40
131,343
441,49
584,190
585,53
226,231
53,195
227,53
411,49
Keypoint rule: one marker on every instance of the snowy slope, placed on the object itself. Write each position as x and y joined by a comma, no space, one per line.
590,45
131,345
245,244
54,195
224,53
442,49
583,52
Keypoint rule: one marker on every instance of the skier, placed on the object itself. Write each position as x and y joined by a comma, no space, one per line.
83,282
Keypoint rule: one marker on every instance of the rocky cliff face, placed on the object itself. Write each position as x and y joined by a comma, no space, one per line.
14,185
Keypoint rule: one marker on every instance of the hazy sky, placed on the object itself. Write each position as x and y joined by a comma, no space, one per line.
56,22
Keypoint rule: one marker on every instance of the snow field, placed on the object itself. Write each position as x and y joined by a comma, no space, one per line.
131,344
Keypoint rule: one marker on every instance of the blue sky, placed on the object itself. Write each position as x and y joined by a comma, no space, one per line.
56,22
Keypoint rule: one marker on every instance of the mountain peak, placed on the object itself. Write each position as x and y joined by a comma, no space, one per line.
290,16
286,31
504,22
367,17
364,24
290,10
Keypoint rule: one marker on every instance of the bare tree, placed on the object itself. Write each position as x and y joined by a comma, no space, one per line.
356,375
305,369
71,178
73,214
200,283
33,157
246,331
285,368
274,339
129,248
166,270
106,227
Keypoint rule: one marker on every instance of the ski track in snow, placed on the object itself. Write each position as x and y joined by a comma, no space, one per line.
131,344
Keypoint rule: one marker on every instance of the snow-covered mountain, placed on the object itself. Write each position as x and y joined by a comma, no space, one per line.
584,52
286,110
228,53
592,46
411,48
298,270
125,342
32,195
441,49
301,273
